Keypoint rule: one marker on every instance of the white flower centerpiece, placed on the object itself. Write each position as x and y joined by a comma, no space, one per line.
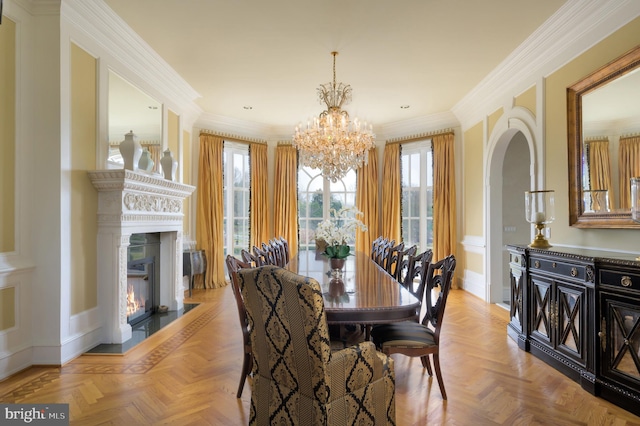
338,231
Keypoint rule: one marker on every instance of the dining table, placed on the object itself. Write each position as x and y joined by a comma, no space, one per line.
361,292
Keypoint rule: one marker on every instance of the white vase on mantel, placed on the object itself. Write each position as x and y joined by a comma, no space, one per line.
169,165
131,151
146,162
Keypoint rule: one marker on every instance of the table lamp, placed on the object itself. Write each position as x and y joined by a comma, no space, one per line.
540,211
635,201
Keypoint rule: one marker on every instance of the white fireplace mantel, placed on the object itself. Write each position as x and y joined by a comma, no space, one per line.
131,203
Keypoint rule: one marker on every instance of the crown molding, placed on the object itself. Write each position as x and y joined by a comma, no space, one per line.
418,125
102,25
230,126
39,7
574,28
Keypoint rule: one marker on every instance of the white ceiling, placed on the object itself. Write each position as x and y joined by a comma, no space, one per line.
272,55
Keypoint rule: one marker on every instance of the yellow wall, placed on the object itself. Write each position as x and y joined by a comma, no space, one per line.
7,134
7,308
493,119
473,181
186,178
527,100
556,156
84,198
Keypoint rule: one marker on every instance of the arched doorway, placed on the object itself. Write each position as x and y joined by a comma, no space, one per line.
510,173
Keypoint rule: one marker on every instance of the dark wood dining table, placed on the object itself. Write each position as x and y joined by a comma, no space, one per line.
367,295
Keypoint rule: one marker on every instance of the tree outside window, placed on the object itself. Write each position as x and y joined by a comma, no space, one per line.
417,195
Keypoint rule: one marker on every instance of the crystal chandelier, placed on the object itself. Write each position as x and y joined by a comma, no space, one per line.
332,142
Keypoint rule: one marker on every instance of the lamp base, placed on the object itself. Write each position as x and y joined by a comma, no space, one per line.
540,241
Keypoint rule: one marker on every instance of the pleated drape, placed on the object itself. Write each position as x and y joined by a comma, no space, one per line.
629,166
444,197
367,202
209,210
391,193
258,203
285,219
600,167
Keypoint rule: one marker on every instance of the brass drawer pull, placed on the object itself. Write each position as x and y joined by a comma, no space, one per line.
626,281
554,265
574,272
516,259
536,263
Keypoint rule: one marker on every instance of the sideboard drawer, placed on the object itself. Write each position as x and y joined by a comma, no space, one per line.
620,279
572,271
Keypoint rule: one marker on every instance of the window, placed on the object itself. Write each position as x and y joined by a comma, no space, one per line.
317,196
235,159
417,195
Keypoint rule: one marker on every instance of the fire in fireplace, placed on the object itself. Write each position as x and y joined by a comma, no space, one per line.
142,276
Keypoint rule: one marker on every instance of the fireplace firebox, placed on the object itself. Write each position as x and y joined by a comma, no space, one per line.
143,269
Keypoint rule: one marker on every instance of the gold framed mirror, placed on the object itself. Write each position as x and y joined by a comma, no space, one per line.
603,126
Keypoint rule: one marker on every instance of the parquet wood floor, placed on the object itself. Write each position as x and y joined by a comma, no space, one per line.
188,372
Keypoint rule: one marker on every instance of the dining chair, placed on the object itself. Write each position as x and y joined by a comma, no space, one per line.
297,379
422,338
250,258
287,252
403,259
391,261
383,251
374,247
233,266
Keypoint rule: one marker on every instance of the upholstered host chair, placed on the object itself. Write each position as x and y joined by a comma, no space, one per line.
421,339
233,266
296,377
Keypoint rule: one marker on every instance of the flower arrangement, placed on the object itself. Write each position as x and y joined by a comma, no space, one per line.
339,230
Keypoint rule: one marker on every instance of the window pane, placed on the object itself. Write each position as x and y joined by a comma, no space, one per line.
315,206
415,203
303,203
316,184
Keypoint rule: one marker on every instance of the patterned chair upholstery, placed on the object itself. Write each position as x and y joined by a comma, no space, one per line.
296,377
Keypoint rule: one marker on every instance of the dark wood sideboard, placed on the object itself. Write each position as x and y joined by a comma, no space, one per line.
579,311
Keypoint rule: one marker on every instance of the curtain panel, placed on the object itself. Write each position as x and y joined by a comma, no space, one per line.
600,167
628,166
367,202
391,193
285,215
209,210
259,196
444,197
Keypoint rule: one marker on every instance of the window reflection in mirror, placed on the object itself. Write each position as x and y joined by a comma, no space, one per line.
130,109
611,137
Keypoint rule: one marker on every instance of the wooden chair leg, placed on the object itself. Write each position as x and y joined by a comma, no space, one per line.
436,364
246,368
426,363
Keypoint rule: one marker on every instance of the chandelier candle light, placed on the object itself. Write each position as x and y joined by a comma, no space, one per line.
539,210
332,142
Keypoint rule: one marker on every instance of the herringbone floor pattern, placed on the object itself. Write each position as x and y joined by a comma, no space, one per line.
187,374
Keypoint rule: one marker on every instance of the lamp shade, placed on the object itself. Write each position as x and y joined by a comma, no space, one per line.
539,206
635,198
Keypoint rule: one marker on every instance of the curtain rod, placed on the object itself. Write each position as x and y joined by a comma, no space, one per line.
596,139
418,137
233,138
630,135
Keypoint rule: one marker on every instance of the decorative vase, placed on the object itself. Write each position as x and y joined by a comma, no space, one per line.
169,165
336,263
146,163
336,287
131,151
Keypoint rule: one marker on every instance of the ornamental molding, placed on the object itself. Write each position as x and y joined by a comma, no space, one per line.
151,203
138,218
130,181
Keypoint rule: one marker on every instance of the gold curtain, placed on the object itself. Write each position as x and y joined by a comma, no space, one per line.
444,197
600,167
367,202
258,216
391,193
285,215
209,211
155,150
629,166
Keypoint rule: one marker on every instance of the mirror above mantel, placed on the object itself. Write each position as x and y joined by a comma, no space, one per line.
131,109
603,120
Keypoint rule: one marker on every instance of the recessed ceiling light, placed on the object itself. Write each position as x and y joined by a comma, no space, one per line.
404,106
247,107
153,107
